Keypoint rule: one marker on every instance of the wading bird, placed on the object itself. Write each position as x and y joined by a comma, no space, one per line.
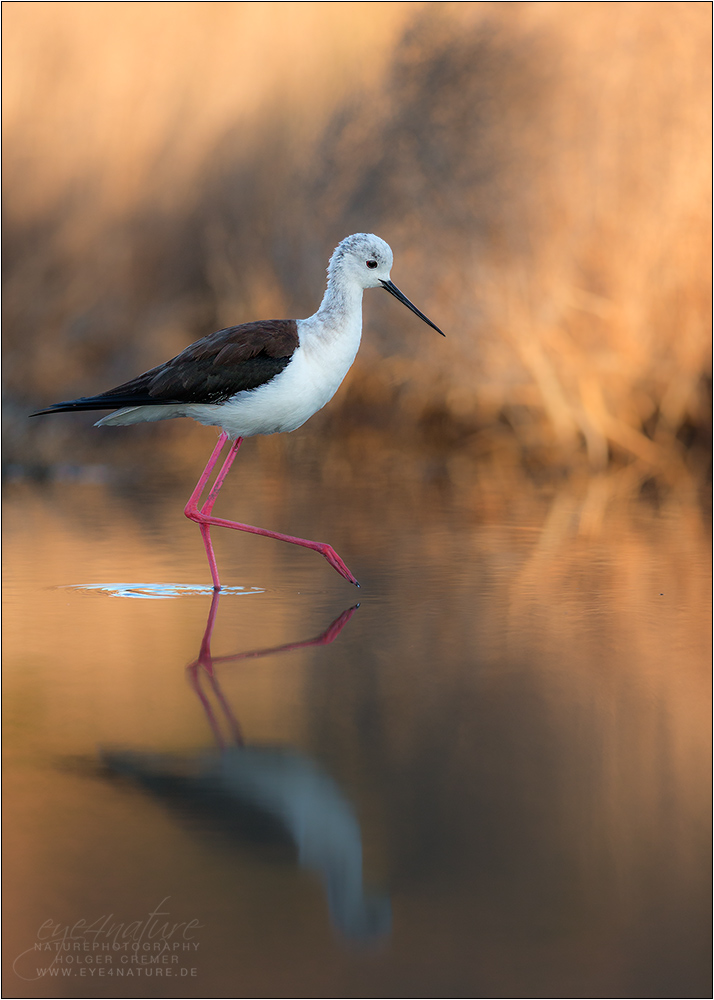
258,378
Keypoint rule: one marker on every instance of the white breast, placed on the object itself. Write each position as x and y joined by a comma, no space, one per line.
310,380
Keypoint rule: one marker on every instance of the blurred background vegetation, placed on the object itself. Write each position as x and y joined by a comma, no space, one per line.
542,172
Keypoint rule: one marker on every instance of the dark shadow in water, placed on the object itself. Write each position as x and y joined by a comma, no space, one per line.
273,798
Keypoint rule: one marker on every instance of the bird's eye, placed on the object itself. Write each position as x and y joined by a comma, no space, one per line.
371,263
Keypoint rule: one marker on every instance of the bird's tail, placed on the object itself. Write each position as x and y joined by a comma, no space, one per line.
83,403
126,415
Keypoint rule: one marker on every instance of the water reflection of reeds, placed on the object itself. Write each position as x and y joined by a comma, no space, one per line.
542,172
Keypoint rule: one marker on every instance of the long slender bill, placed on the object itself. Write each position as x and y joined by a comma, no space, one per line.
393,290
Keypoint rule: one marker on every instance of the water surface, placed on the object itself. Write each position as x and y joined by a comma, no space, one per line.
489,779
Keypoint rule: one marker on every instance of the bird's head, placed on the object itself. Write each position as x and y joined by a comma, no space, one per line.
363,258
366,260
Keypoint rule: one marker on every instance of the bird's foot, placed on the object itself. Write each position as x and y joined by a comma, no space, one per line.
336,562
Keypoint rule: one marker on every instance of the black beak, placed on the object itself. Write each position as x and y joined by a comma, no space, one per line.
393,290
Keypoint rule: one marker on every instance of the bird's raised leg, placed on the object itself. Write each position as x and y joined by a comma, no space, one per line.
202,516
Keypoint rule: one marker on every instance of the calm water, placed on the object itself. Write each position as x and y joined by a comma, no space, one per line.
489,779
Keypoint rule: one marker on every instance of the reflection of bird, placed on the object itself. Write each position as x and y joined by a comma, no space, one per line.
271,795
259,378
267,795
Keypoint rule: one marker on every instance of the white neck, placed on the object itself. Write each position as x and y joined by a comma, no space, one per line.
341,303
331,337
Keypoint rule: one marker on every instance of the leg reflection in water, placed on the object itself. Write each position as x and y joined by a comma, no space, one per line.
266,794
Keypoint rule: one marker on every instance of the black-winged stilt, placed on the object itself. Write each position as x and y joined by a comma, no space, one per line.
259,378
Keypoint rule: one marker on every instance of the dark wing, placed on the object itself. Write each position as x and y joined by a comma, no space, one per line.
209,371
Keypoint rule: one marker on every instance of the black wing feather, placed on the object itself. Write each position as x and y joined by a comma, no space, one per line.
236,359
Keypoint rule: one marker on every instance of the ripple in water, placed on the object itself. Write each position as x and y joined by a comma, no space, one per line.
158,591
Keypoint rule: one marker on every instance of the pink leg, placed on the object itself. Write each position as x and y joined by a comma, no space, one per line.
202,517
195,680
205,659
326,637
233,724
206,662
191,508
